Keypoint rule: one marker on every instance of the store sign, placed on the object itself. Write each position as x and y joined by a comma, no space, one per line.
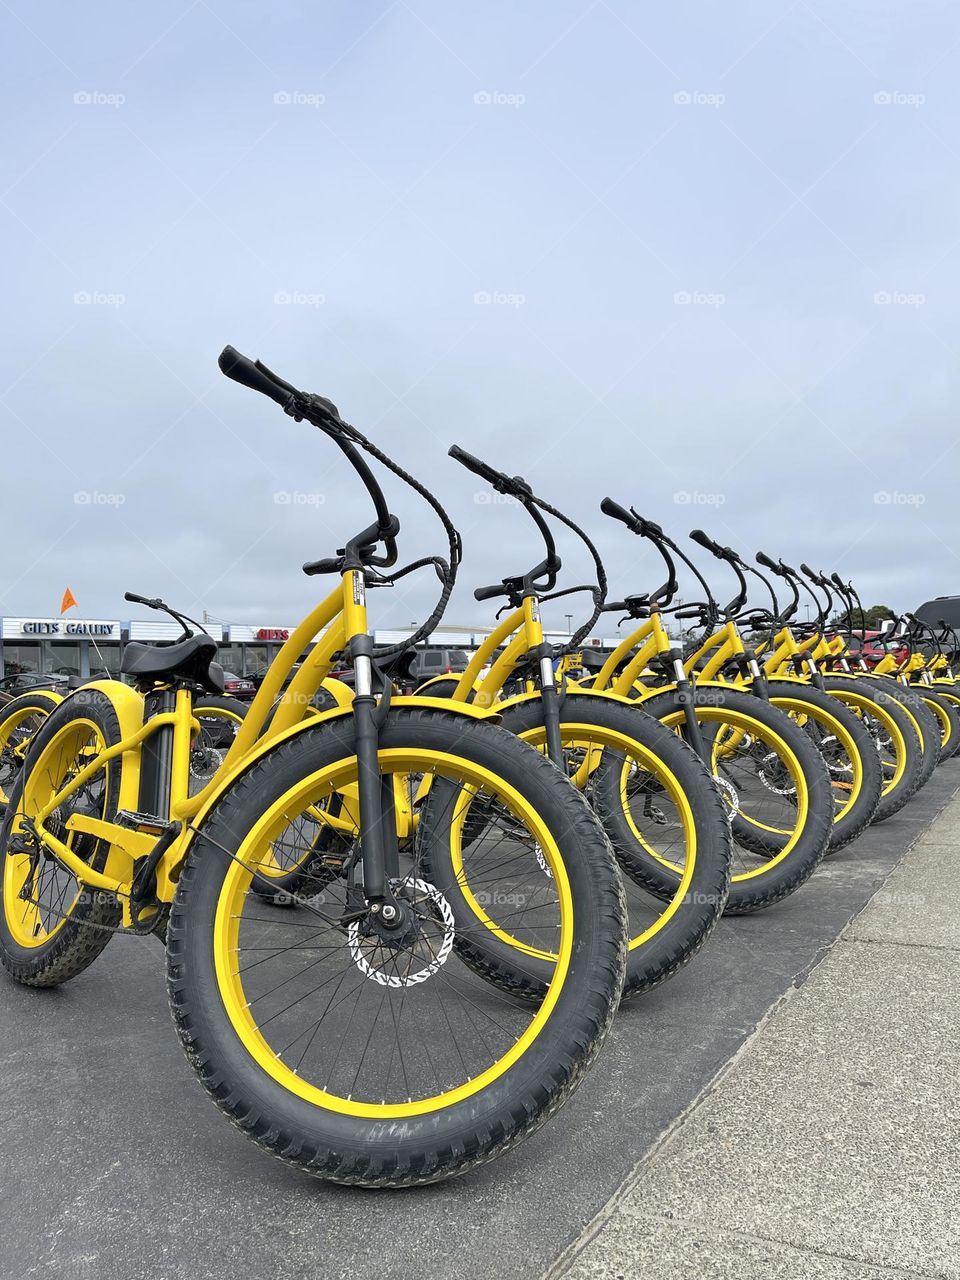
250,633
59,629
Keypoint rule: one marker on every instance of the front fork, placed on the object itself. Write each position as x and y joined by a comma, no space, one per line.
687,698
379,852
550,702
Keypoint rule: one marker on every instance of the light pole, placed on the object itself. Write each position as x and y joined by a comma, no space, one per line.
569,618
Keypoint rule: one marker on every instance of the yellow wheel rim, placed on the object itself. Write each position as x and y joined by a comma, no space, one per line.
736,724
239,875
592,739
33,921
858,702
800,710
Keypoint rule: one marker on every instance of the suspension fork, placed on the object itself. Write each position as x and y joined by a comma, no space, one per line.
376,848
752,670
687,698
550,701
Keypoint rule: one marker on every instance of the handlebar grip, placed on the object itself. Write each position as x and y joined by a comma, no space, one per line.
837,581
488,593
768,562
616,512
248,374
703,540
481,469
329,565
135,599
613,606
805,568
688,613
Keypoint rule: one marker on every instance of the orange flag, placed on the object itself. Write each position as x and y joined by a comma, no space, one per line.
68,601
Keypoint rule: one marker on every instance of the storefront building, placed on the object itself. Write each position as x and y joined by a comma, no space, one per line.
64,646
88,646
249,649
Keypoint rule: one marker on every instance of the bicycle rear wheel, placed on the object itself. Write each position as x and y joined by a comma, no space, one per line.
19,721
51,926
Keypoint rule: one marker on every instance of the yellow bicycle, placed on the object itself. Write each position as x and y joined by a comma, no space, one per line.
372,1030
657,802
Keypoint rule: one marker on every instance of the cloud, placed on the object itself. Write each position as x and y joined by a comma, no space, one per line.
386,208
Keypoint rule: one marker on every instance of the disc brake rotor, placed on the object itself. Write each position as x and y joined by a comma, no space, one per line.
364,945
773,775
729,794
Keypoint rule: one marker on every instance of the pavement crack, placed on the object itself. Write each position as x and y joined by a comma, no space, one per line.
883,1269
895,942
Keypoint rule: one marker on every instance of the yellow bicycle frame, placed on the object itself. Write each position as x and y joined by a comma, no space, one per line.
338,618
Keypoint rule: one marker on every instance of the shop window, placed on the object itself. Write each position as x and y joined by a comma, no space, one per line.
62,659
230,657
108,660
18,658
256,658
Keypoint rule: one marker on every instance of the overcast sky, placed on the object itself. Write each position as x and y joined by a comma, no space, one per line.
701,257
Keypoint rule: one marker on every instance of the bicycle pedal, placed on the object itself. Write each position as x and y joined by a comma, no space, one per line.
148,823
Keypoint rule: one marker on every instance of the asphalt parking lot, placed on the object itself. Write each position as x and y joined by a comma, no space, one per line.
117,1166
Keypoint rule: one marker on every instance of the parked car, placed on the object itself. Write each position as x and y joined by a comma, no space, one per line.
942,609
438,662
30,681
235,686
872,646
258,677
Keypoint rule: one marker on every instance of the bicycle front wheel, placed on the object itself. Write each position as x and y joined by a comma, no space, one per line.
774,782
847,749
19,721
664,818
378,1056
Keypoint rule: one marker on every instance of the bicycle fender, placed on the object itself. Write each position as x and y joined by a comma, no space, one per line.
127,705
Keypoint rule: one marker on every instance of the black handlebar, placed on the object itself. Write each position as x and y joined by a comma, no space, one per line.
647,529
154,602
252,374
491,592
710,544
542,578
702,540
513,485
616,512
360,551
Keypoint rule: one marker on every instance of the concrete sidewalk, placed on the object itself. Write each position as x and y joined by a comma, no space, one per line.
830,1145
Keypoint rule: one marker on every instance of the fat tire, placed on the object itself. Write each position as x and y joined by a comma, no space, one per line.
860,814
73,948
893,801
679,940
779,882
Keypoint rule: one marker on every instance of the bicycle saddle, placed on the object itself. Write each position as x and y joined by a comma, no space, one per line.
190,659
397,667
592,659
